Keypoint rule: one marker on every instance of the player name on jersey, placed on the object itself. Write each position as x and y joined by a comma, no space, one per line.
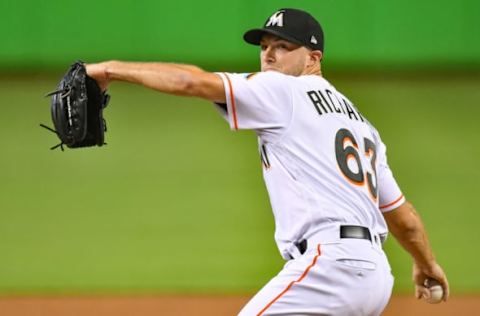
324,103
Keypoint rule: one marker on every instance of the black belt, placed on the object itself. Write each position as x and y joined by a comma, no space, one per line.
346,231
358,232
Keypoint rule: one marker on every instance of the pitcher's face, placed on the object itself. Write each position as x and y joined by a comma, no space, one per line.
283,56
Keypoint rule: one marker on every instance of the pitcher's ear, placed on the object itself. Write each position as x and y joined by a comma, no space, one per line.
316,55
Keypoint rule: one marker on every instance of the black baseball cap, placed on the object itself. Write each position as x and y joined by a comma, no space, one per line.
293,25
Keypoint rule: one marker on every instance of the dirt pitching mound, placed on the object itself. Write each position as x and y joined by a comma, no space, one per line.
197,306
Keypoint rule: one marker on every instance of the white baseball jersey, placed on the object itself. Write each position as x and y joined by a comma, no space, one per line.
323,162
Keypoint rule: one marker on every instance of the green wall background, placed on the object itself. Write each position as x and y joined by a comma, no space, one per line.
385,34
176,201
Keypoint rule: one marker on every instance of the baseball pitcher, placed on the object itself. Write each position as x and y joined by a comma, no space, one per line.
333,195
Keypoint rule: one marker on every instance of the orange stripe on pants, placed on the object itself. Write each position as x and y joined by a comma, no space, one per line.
304,274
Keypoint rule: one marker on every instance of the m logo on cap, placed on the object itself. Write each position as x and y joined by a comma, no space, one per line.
276,19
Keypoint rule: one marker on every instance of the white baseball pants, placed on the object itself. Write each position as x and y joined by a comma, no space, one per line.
346,277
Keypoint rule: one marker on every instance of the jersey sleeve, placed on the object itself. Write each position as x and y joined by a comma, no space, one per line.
261,101
390,195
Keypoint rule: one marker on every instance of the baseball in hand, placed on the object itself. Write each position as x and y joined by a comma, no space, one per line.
436,291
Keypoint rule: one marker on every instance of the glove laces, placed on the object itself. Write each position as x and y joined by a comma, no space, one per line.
65,92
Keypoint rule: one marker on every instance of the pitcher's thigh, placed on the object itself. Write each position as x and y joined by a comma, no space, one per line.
320,286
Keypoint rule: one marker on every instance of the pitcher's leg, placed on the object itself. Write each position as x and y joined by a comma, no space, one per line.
317,284
296,290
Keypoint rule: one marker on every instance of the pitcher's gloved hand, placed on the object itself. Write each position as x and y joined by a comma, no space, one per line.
77,109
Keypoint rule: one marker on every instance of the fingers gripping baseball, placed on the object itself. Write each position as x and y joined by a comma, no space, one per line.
431,284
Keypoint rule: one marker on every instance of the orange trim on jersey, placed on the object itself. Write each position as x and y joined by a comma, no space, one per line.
359,184
232,102
292,283
369,152
351,141
390,204
345,140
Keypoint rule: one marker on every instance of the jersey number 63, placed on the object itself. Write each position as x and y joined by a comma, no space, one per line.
347,152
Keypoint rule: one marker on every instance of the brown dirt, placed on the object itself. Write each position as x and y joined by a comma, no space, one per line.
198,306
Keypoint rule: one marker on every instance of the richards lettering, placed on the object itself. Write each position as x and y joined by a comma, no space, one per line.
328,102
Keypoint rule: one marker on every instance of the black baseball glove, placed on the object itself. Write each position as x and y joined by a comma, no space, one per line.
77,110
